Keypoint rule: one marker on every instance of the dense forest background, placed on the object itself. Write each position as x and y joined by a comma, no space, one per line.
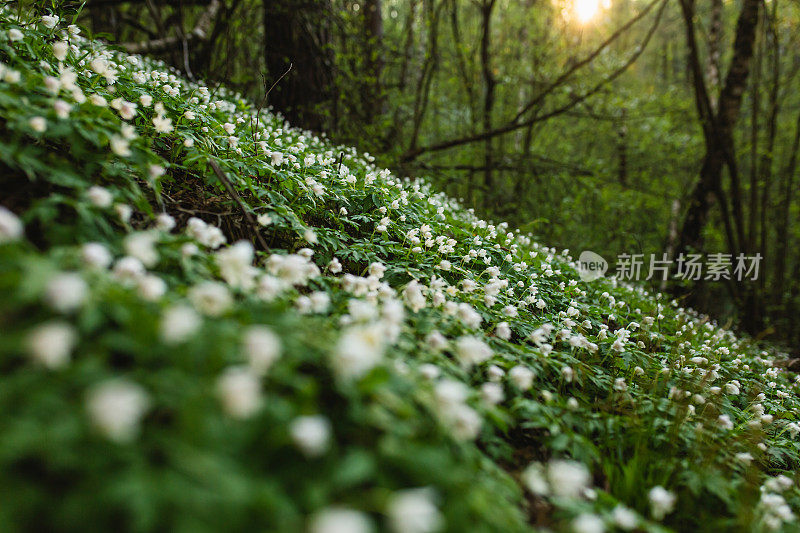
617,126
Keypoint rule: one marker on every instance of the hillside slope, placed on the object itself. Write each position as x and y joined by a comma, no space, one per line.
213,321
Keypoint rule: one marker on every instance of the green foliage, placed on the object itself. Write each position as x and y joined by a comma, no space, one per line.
451,354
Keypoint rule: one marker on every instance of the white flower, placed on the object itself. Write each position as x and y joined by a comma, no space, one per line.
269,287
189,249
429,371
568,479
495,373
50,21
535,480
98,100
262,348
277,158
66,292
732,388
62,109
492,393
100,196
151,287
116,408
11,76
60,49
120,146
204,233
462,420
50,344
235,265
588,523
165,222
179,323
359,350
146,100
334,266
503,331
264,219
414,511
293,269
436,340
624,518
53,84
14,35
141,245
377,270
450,393
413,296
127,131
522,377
310,236
725,422
95,255
210,298
469,315
38,124
128,269
778,483
472,351
465,423
162,124
11,228
124,212
744,457
340,520
320,301
311,434
662,502
239,390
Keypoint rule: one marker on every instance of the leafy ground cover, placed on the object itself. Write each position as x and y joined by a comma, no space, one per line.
213,321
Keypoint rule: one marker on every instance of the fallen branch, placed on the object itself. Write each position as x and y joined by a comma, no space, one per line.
235,195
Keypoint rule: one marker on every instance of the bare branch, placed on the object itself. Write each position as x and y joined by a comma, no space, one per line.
514,124
582,63
198,33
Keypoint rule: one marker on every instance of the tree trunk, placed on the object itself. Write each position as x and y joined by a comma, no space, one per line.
373,96
489,84
297,33
714,37
718,126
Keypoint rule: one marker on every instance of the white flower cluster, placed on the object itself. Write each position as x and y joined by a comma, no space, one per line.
558,478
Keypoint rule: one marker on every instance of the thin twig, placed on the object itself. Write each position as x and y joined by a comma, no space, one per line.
232,192
253,126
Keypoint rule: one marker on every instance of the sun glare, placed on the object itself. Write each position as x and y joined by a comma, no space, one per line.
586,10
